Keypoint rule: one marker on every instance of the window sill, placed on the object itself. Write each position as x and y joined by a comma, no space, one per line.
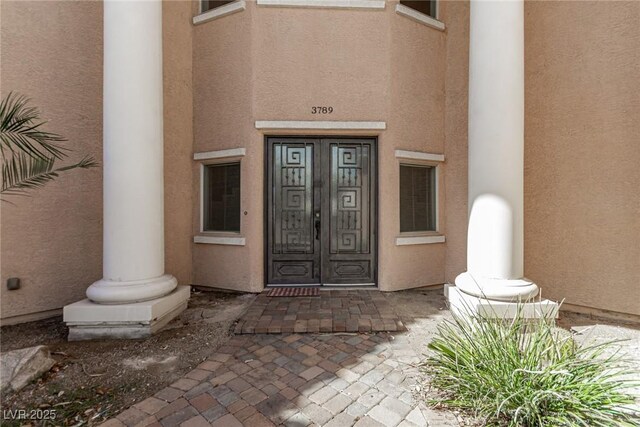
220,240
220,154
418,155
419,17
219,12
326,4
419,239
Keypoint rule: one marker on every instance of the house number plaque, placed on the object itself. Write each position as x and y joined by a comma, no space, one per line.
321,110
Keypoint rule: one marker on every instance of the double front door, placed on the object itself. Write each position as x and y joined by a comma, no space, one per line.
321,211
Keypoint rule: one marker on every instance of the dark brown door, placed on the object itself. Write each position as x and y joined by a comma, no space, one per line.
321,211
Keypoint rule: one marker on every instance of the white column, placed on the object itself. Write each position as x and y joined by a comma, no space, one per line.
496,153
133,156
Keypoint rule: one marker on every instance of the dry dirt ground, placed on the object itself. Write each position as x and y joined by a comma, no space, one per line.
95,380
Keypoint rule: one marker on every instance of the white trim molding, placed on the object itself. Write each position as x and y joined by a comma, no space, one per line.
219,240
326,4
321,125
220,154
219,12
419,17
418,155
419,240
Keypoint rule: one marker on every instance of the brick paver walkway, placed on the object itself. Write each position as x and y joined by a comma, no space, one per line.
313,379
331,311
291,380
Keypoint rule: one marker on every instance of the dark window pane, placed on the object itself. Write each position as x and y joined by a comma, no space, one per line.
428,7
417,198
212,4
222,198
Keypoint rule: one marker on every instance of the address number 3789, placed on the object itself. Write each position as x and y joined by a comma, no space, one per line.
321,110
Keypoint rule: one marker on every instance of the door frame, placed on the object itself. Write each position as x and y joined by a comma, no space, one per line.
265,213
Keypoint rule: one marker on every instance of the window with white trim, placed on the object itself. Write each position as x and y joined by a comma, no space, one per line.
206,5
221,197
417,198
428,7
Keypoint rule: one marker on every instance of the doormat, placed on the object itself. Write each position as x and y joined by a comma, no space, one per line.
293,292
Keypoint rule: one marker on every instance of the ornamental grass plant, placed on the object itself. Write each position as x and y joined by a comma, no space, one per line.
522,372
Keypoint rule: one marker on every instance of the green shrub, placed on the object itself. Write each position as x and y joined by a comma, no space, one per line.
528,373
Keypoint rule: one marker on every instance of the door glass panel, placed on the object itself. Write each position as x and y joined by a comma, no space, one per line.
349,198
293,198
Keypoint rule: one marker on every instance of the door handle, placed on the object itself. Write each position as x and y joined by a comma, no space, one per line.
317,229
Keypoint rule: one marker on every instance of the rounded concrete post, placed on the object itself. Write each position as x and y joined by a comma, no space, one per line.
133,156
496,153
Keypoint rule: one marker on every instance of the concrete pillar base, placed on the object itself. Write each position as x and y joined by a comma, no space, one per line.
88,321
106,291
461,304
510,290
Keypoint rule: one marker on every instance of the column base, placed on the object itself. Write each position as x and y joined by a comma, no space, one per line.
106,291
461,303
88,320
509,290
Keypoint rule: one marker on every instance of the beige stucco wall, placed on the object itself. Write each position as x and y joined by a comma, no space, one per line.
52,52
456,15
222,116
178,138
415,122
582,150
274,64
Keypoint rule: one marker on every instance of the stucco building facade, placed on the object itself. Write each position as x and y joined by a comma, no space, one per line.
240,79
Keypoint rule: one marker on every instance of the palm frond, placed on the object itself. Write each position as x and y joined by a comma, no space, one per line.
21,130
29,153
22,172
